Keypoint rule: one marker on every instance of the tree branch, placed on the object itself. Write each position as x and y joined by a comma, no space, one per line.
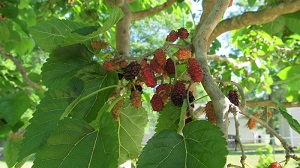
152,11
200,43
260,17
235,64
21,68
270,103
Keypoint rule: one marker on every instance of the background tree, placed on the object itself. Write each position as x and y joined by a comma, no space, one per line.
74,92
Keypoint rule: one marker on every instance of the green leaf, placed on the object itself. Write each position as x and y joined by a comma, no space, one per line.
77,37
251,2
11,148
51,33
182,115
46,117
169,118
63,64
290,73
13,106
74,143
94,77
294,124
293,21
201,145
275,26
132,123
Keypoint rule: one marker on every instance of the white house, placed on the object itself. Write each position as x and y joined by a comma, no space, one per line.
286,131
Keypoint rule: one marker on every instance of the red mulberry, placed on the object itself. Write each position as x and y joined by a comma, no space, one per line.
160,57
182,33
172,36
156,67
157,102
170,66
194,70
149,77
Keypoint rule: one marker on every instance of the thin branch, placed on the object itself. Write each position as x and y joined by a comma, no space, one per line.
235,64
21,68
284,143
237,134
152,11
270,103
260,17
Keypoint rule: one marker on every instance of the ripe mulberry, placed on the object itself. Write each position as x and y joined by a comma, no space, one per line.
157,102
136,99
143,63
160,57
274,165
149,77
131,71
156,67
172,36
116,110
182,33
170,66
178,93
110,66
164,89
183,54
194,70
210,113
233,97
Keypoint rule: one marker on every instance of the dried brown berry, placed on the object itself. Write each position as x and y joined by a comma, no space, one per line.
99,44
116,110
136,99
233,97
210,113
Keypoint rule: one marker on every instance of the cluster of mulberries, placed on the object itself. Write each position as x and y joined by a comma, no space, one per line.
233,97
194,70
251,122
210,113
174,35
115,64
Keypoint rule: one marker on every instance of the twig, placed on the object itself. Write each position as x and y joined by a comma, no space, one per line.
237,134
234,166
21,68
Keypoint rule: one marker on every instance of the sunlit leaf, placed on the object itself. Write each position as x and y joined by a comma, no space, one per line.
294,124
75,37
131,131
49,34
